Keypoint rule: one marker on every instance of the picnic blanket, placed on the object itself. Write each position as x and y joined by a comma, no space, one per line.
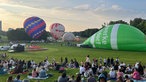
30,77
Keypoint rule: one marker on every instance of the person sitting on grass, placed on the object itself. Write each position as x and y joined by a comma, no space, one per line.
2,70
78,78
63,78
72,79
127,79
120,74
17,79
42,73
17,69
140,69
136,75
120,79
82,70
25,80
71,64
34,73
76,64
10,79
102,78
112,74
91,78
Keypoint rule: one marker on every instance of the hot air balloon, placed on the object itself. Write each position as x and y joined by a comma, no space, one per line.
77,38
34,26
68,37
118,37
57,30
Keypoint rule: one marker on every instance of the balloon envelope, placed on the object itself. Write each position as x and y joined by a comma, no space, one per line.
118,37
34,26
57,30
68,37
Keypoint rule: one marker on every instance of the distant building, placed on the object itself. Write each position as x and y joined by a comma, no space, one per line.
0,25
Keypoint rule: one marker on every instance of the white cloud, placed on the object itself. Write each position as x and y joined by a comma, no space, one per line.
83,7
74,19
116,7
113,11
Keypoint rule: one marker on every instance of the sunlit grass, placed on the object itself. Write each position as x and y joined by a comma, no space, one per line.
57,51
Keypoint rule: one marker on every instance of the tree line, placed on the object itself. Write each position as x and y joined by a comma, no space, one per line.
137,22
20,34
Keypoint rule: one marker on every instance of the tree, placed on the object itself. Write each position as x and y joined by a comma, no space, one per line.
113,22
44,36
117,22
20,35
88,32
139,23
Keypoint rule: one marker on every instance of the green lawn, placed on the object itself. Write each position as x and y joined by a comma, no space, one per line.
56,51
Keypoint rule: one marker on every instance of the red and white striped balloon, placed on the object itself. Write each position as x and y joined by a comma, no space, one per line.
57,30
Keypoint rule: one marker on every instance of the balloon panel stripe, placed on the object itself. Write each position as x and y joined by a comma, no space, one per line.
38,30
32,25
56,24
114,33
36,27
31,21
38,34
24,24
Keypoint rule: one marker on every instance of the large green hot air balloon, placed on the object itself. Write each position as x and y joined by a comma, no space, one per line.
118,37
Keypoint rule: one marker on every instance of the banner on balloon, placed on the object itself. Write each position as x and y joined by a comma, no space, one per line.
118,37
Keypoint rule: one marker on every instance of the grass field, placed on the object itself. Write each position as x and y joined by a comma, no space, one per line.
57,51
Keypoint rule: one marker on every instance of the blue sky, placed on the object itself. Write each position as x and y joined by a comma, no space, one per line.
75,15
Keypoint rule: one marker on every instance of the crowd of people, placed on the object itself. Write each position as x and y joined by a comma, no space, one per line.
102,70
15,66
